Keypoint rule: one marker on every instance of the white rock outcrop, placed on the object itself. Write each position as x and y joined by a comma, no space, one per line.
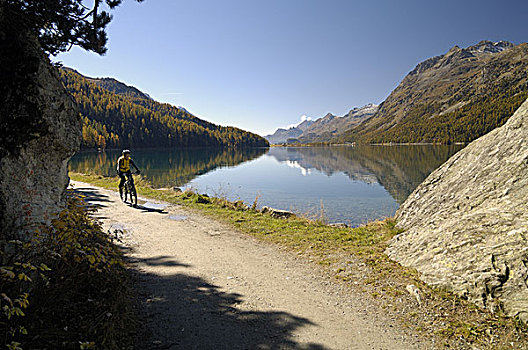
467,223
41,130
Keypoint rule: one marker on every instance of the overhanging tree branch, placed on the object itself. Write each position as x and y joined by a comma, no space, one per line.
62,24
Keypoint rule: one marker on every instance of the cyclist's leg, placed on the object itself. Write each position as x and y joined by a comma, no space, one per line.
123,179
121,184
133,194
129,176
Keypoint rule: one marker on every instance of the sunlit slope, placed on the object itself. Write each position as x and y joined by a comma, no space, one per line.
115,115
455,97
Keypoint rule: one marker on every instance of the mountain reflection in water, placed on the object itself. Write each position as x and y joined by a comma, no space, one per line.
352,184
399,169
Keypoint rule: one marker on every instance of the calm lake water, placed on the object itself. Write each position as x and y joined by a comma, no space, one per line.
346,184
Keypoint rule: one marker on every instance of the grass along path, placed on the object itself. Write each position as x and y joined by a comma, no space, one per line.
354,258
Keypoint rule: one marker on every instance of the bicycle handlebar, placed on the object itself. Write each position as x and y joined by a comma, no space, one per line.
132,172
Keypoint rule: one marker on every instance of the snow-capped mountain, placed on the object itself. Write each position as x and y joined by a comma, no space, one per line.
324,128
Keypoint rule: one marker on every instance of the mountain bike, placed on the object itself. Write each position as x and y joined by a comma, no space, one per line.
129,191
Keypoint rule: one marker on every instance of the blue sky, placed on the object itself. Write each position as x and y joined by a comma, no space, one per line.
260,65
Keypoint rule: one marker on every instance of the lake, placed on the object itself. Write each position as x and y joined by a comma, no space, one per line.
346,184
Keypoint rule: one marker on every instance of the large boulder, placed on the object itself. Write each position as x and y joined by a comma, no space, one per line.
467,223
40,131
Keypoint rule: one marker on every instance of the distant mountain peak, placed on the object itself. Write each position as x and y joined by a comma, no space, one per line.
360,112
323,129
486,46
455,48
482,49
305,124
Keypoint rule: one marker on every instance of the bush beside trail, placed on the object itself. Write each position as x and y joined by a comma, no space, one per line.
66,288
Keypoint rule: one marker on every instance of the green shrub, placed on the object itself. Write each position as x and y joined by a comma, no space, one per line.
66,288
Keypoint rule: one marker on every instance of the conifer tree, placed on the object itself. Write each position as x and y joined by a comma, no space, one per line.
61,24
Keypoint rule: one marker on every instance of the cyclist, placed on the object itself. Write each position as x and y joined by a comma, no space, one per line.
123,169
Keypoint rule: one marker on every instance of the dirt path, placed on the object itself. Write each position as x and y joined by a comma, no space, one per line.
205,286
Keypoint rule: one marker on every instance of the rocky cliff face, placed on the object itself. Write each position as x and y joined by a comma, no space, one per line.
40,132
467,223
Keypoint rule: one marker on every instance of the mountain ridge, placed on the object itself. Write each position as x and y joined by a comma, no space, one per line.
322,129
117,115
455,97
113,85
330,126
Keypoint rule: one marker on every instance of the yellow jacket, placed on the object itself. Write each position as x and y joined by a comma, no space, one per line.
123,164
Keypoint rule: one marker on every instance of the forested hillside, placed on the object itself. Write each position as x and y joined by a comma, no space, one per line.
115,115
456,97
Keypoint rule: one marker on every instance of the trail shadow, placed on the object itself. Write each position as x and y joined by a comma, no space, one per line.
145,209
94,199
180,311
91,197
162,260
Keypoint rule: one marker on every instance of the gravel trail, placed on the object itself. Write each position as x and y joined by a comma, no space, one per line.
203,285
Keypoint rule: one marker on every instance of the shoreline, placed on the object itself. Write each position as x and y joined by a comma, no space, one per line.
372,144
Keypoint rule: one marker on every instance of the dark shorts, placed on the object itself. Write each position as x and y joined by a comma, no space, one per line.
123,176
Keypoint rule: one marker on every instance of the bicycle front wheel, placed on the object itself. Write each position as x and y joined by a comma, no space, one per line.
133,195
